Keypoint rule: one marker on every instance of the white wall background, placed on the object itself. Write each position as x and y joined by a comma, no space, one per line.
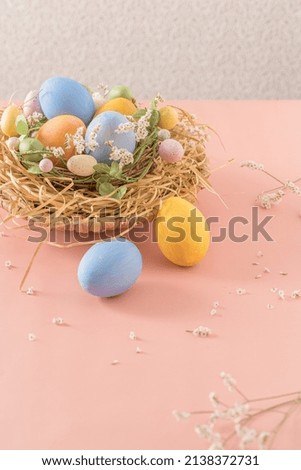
183,48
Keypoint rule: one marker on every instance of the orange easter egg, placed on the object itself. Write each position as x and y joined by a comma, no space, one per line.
53,133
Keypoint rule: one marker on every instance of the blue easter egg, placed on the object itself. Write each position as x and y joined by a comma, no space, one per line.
110,267
61,95
108,122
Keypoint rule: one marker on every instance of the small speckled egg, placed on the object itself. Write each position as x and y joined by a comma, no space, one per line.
163,134
104,126
82,165
61,95
8,120
46,165
31,103
13,143
171,151
110,268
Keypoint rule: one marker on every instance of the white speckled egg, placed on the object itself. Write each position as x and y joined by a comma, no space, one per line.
81,165
171,151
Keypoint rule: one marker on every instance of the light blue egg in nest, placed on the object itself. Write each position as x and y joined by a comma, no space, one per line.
61,95
110,267
105,125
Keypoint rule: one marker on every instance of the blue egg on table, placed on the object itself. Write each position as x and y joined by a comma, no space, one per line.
104,126
110,267
61,95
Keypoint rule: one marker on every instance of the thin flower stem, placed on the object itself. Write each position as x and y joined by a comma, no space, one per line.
274,397
267,410
203,412
281,423
240,393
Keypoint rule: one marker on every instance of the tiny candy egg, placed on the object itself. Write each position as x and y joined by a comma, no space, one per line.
163,134
171,151
46,165
82,165
13,143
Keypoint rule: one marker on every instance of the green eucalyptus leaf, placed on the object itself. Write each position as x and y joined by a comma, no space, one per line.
102,168
115,170
154,118
21,125
106,188
139,113
121,192
35,170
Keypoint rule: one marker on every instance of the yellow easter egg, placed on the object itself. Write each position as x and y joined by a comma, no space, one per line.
168,118
182,232
8,120
120,105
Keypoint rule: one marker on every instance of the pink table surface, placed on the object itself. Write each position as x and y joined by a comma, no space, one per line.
61,391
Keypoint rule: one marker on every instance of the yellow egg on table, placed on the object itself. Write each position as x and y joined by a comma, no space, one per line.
182,232
120,105
168,118
8,120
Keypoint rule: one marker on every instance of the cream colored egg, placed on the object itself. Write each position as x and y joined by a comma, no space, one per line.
81,165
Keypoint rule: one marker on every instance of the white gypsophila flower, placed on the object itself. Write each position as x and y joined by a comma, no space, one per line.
204,430
292,187
98,99
102,89
30,291
246,435
123,156
262,439
181,415
79,140
8,264
267,200
237,412
253,165
201,331
132,335
270,306
213,311
58,321
92,143
274,289
142,126
31,337
158,99
228,381
56,151
34,118
126,127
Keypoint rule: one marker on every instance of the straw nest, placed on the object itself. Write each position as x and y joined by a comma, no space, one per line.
79,207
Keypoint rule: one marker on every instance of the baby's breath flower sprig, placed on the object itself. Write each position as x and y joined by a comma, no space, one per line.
241,416
271,197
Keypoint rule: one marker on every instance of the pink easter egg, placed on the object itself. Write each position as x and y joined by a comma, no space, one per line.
46,165
32,103
171,151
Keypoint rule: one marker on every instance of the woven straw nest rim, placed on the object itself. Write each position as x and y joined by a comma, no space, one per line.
26,196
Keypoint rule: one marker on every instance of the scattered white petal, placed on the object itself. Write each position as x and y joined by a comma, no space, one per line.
213,311
132,335
57,321
30,291
295,294
181,415
274,289
241,291
262,439
8,264
266,270
201,331
32,337
258,276
259,254
255,264
270,306
115,362
216,304
281,294
138,350
228,381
